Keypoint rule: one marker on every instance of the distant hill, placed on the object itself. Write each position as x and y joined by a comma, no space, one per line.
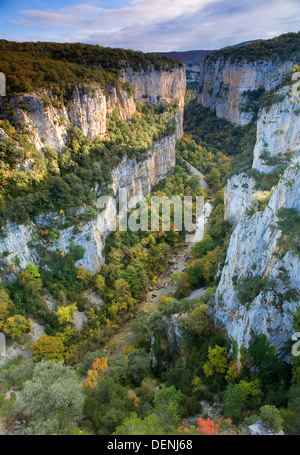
187,56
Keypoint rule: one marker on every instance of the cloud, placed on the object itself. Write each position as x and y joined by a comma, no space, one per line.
163,25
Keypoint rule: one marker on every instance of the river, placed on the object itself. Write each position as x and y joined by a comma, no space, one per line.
176,263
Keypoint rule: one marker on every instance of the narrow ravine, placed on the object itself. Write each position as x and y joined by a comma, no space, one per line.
177,261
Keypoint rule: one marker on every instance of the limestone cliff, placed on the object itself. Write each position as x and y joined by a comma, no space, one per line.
157,86
278,129
237,197
253,251
137,176
48,117
224,85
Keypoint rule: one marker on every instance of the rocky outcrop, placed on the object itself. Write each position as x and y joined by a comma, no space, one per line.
140,176
261,429
223,85
15,244
193,72
278,129
137,176
48,118
157,86
253,251
237,197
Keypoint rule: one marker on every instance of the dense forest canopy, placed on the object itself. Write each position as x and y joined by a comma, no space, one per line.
29,66
284,47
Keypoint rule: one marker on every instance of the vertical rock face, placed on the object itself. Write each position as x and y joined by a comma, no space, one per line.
15,245
137,176
87,110
237,197
121,101
253,251
278,129
159,86
193,72
48,119
253,247
223,85
156,86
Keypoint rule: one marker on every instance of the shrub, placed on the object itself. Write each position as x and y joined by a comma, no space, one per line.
271,417
17,326
48,348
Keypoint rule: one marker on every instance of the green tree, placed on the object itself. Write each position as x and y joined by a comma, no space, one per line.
200,321
17,326
167,408
133,425
217,361
202,247
48,348
271,417
52,401
138,365
5,306
31,281
107,405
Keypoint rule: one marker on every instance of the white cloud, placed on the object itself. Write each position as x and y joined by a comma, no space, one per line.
164,24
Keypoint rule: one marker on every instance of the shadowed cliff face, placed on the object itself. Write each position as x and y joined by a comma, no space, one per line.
158,87
223,85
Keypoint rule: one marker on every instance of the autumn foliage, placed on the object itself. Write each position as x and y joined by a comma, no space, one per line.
95,374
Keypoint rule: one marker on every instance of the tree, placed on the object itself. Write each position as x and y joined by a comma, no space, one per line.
31,281
86,276
107,405
17,326
167,408
117,368
5,306
122,296
200,321
95,374
100,284
52,402
65,313
271,417
202,247
48,348
133,425
240,398
141,330
208,427
217,361
138,365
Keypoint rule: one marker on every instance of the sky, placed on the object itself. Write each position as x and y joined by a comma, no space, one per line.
148,25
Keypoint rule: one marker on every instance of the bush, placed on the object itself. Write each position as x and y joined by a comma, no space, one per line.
48,348
16,326
271,417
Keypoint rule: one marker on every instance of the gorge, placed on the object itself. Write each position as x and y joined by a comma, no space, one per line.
203,330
